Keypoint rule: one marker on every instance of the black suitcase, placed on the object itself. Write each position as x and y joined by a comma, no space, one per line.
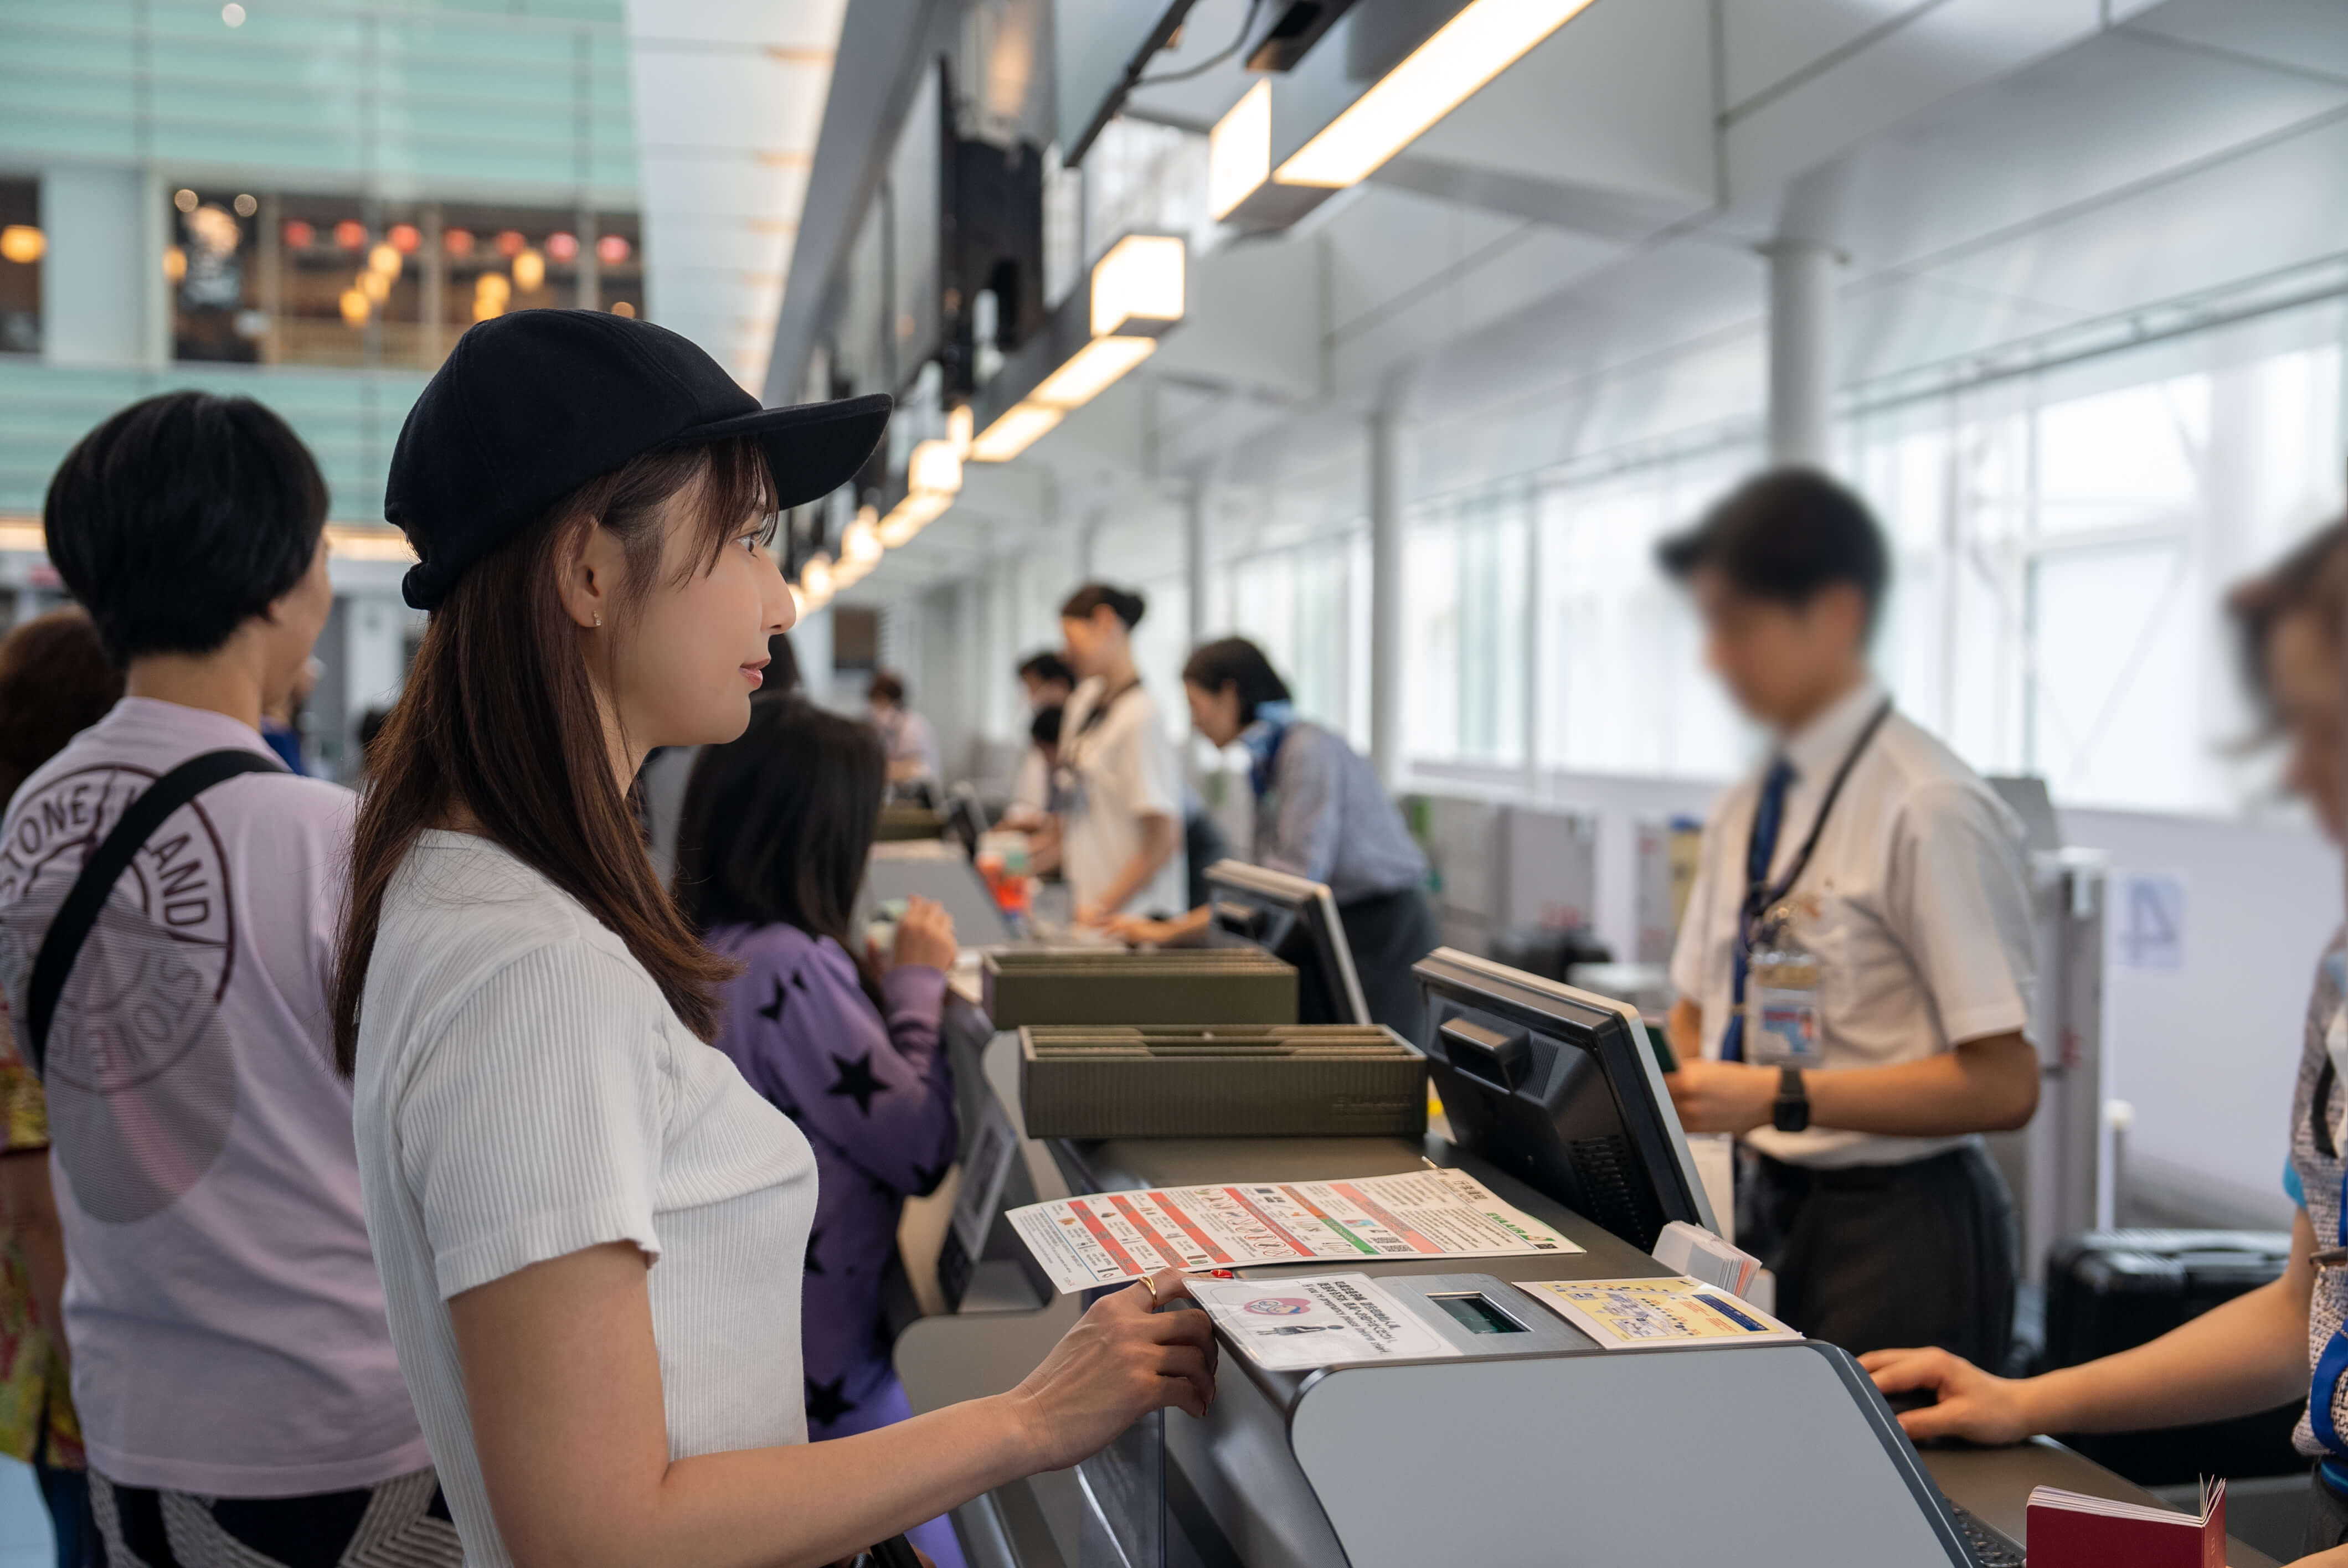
2111,1290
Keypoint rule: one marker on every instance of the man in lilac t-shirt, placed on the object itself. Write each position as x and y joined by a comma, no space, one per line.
232,1363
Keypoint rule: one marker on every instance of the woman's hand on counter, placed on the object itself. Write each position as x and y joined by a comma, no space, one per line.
1972,1404
1122,1361
925,936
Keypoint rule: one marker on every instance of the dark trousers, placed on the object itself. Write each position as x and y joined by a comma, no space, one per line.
1386,933
1878,1258
2327,1516
67,1494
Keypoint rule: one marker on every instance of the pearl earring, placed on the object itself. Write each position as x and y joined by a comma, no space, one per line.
599,622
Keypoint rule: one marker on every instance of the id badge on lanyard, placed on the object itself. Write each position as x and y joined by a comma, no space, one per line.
1781,997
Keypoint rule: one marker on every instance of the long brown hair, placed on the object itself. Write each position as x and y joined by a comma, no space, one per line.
499,716
778,826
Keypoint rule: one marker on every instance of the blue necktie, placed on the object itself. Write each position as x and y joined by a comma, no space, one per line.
1769,817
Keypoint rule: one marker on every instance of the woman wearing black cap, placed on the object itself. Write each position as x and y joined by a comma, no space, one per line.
590,1228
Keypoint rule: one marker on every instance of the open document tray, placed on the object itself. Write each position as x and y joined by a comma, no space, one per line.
1221,1081
1027,986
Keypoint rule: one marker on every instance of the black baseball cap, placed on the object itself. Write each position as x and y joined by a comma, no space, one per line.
530,405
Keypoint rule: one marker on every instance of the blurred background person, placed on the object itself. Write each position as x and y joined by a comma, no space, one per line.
281,722
56,681
1047,682
906,737
842,1038
1319,814
1118,817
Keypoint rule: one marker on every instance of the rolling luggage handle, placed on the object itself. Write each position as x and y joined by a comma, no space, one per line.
77,916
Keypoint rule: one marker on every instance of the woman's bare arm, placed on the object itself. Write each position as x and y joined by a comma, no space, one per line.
563,1380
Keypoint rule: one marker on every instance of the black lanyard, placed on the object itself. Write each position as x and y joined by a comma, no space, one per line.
1099,711
1758,894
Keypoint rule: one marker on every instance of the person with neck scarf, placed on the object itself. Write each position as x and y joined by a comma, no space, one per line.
1320,815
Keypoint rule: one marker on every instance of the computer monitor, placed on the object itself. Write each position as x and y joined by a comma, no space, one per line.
1296,921
1560,1089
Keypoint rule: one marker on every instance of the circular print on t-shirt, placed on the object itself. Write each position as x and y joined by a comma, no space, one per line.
140,1075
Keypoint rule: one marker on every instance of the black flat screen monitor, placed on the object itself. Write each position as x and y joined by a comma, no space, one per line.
1560,1089
1296,922
966,818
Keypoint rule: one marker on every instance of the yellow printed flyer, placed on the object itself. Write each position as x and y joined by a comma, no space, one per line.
1655,1314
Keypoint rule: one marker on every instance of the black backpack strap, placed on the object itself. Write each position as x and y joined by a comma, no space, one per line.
78,913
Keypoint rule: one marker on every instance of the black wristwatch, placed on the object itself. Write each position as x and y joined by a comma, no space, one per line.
1791,1112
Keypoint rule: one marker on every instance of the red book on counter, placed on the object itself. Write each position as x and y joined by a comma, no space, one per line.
2072,1530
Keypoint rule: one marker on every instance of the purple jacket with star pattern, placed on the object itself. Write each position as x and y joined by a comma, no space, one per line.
875,1097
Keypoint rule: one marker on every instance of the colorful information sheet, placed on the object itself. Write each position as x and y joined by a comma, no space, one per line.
1317,1320
1650,1314
1116,1236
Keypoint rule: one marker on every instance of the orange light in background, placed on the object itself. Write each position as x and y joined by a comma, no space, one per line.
613,249
457,241
622,308
563,245
22,243
510,242
299,236
175,262
406,238
491,292
350,234
528,270
383,259
356,308
374,285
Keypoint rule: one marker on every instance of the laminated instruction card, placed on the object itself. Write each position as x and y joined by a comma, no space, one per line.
1317,1320
1117,1237
1651,1314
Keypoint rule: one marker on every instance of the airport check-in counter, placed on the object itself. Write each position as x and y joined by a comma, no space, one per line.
1533,1446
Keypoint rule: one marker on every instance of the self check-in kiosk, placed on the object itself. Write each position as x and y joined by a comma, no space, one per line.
1295,920
1531,1444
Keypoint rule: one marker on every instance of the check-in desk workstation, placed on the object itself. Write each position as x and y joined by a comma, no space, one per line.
1518,1440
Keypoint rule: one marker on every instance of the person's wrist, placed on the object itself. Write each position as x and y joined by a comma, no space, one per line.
1022,1432
2042,1402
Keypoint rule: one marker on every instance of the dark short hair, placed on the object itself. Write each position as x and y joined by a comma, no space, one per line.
1047,667
778,826
1045,729
180,519
888,686
1129,606
2312,579
1785,534
56,681
1236,661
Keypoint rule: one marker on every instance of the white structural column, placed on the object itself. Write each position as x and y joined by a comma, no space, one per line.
811,641
1198,555
1385,594
1801,352
102,286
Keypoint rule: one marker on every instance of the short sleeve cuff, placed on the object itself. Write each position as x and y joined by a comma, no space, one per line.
915,986
537,1238
2292,1188
1981,1023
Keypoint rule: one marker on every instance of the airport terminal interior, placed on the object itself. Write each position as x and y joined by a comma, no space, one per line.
1697,931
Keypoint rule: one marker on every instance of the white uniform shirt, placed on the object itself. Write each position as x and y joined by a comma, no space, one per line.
1916,902
1122,769
524,1092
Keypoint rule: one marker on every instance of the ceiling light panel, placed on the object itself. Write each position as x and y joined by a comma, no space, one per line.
1096,366
1020,428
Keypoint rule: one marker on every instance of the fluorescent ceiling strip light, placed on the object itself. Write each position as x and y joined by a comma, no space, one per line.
1140,278
1485,39
1094,368
1016,429
911,514
1238,151
934,466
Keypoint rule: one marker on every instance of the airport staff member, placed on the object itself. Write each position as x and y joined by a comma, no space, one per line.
1117,831
1855,964
1049,683
1320,815
907,737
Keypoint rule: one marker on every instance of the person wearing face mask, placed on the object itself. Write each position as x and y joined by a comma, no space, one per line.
1047,682
1319,814
1119,811
591,1230
1856,962
2284,1340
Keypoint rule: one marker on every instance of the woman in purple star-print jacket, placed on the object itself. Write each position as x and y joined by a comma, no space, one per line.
771,847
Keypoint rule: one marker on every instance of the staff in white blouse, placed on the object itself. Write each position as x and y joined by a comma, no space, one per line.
590,1229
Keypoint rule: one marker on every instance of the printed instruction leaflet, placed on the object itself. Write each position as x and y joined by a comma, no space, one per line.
1116,1236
